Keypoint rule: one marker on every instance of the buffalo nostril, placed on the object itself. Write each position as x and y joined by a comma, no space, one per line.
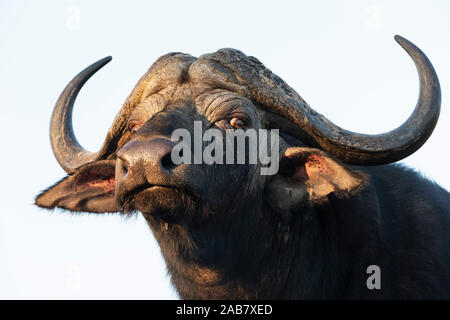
167,163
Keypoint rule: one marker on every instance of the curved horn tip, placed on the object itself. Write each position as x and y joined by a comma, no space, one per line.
104,61
107,59
68,152
405,43
399,38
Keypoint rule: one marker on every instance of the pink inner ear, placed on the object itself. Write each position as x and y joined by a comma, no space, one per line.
107,184
304,164
98,178
315,164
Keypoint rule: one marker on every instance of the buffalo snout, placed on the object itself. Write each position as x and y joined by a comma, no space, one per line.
142,164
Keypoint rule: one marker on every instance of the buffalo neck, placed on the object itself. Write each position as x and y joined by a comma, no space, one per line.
266,254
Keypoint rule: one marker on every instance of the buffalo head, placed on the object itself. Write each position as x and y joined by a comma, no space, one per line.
220,205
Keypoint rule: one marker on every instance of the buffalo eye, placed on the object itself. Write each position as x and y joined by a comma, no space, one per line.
237,123
133,127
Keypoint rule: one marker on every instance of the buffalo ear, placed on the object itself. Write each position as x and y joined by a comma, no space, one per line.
307,174
89,189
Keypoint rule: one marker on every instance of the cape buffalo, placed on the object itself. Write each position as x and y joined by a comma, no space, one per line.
338,220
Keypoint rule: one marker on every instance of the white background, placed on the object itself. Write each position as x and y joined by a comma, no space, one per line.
339,55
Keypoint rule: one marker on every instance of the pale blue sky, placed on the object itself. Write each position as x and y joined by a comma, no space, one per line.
339,55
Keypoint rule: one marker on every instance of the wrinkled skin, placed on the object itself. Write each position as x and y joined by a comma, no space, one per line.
225,231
